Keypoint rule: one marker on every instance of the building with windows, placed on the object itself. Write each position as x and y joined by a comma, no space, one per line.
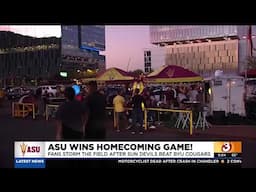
24,58
154,56
204,48
81,46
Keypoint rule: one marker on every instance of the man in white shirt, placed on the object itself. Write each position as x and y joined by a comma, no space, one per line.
193,93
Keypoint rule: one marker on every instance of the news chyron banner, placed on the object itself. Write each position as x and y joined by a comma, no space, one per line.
29,154
35,154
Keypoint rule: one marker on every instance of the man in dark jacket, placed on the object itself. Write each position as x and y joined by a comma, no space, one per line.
70,118
137,112
95,102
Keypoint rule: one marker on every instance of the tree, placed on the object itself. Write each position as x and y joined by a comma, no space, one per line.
74,75
89,74
82,74
251,62
137,72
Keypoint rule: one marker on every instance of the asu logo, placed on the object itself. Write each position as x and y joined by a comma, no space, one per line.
23,148
170,72
226,147
29,149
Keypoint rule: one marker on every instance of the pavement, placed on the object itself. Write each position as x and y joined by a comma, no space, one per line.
16,129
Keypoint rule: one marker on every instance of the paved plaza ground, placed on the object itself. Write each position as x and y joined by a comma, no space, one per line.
15,129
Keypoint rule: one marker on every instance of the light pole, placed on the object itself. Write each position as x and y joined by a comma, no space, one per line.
250,49
249,38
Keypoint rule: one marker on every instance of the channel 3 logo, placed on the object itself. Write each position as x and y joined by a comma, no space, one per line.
226,147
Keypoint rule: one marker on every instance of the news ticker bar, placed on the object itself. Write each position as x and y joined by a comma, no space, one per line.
35,153
115,163
234,162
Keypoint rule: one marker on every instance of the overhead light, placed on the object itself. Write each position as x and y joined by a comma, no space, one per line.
227,38
210,91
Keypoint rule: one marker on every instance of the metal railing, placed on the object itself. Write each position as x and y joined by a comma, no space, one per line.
160,110
145,111
48,106
23,109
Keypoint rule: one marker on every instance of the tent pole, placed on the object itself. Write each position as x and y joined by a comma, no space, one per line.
204,92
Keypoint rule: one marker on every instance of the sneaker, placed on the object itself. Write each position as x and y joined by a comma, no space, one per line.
129,127
118,130
141,133
138,125
133,132
152,127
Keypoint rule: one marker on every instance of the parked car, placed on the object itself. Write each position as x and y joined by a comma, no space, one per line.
17,92
50,89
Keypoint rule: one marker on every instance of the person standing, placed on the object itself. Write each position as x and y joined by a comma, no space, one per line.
193,93
137,112
70,118
95,102
40,102
181,97
2,96
119,109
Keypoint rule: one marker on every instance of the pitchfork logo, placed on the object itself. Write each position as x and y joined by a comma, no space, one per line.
23,148
226,147
170,72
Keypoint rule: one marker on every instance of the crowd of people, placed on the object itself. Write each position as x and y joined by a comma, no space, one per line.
172,97
94,101
82,115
